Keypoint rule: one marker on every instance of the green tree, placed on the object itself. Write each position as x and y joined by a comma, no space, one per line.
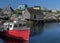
17,11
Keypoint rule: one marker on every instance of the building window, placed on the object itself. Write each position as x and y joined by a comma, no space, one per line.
35,16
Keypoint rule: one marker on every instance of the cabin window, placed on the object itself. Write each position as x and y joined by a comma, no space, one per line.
20,25
23,24
15,25
10,25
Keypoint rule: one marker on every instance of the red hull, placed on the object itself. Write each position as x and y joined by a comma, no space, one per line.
16,36
23,34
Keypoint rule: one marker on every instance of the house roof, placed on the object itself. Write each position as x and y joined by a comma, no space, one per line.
9,8
33,11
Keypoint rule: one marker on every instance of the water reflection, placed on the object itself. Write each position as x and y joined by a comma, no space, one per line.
1,40
36,29
50,34
18,42
5,41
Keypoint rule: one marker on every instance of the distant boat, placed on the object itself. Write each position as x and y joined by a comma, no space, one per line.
18,31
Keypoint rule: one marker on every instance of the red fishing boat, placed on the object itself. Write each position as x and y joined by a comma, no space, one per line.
16,31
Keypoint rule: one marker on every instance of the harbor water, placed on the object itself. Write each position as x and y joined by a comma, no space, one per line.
44,33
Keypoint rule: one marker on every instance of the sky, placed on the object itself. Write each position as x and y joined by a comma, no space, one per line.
49,4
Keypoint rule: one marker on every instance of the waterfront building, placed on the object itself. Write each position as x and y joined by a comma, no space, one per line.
54,11
37,7
22,6
32,14
8,11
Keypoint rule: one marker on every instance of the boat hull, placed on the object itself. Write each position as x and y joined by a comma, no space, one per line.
19,34
16,35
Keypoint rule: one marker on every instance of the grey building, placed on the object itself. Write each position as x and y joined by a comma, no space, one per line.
33,14
8,11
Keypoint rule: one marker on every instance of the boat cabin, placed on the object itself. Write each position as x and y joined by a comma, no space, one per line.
15,26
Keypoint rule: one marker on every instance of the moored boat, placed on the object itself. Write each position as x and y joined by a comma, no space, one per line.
16,31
